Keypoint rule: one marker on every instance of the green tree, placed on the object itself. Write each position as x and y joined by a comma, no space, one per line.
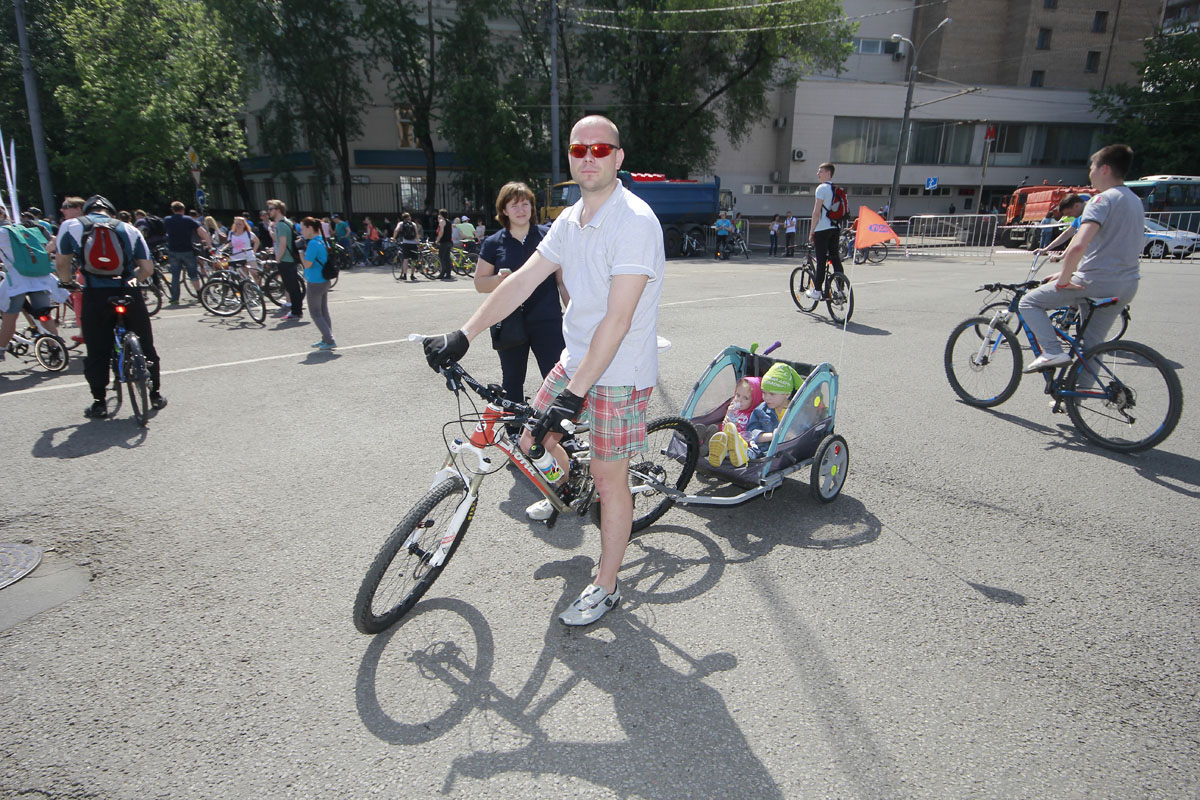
496,122
150,79
406,39
315,76
1158,117
679,78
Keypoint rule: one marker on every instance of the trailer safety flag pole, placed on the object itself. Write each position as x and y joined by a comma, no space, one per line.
872,229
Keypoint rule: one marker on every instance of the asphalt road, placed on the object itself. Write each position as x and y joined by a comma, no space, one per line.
992,608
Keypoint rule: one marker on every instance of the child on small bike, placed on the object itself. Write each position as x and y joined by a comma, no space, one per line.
731,438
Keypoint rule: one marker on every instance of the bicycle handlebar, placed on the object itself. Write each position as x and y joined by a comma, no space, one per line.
1012,287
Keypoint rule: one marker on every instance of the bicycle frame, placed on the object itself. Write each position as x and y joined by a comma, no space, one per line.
1053,378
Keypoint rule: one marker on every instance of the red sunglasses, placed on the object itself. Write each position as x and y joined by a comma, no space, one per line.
599,150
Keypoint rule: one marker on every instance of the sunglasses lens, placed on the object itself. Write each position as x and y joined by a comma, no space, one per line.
599,150
577,150
602,150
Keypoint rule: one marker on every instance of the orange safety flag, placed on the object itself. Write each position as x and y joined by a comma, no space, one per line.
872,229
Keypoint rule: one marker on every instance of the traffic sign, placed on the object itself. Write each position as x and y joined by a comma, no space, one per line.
201,198
193,159
931,183
196,177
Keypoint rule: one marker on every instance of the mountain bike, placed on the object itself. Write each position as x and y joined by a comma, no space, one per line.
837,292
738,245
1122,395
272,282
427,537
691,246
226,293
129,366
875,254
463,261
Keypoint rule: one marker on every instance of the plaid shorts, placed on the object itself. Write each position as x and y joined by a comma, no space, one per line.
618,414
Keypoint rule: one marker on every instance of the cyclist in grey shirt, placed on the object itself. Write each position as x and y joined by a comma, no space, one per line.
1101,261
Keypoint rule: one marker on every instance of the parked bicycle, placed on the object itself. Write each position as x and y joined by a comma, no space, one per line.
422,544
837,292
1122,395
49,351
228,292
691,245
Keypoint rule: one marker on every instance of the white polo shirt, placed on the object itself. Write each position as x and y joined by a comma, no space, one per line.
623,238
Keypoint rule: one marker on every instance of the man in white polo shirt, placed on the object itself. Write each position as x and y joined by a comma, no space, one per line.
610,248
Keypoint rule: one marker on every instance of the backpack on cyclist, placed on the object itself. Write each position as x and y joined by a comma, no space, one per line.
839,209
29,250
102,249
155,227
408,231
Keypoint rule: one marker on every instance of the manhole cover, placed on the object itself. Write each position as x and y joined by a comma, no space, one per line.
17,561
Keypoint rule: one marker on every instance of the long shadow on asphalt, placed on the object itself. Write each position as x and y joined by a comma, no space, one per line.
681,741
851,326
89,438
32,375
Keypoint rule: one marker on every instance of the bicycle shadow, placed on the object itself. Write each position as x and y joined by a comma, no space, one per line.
32,375
234,323
89,438
851,326
1178,473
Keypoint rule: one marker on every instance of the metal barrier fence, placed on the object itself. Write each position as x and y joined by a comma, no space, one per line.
958,235
1168,234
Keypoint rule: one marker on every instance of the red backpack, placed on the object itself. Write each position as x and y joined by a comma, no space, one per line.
838,210
102,249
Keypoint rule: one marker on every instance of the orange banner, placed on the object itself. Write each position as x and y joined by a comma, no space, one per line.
872,229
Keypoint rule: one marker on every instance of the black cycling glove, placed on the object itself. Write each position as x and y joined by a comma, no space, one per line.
445,349
565,407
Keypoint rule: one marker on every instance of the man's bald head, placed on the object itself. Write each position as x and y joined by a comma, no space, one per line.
597,121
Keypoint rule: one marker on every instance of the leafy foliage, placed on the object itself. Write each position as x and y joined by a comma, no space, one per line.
675,90
1158,118
150,79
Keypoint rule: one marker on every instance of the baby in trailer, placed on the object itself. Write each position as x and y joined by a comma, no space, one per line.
731,438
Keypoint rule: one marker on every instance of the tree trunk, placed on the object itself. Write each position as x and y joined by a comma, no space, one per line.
344,164
243,190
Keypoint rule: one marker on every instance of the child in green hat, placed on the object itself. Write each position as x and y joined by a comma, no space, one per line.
778,386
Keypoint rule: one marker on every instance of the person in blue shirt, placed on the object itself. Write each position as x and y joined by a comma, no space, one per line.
313,259
1069,209
180,254
778,386
723,227
503,253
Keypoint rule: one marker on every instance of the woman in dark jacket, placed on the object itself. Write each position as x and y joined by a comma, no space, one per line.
537,324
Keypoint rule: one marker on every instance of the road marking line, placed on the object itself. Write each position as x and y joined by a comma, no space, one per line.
711,299
208,366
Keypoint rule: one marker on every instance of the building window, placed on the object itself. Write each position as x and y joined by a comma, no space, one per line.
1043,39
1010,138
404,126
861,140
874,46
940,142
1038,78
1100,23
1049,3
1093,61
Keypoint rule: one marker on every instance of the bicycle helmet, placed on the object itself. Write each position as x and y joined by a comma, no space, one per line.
98,202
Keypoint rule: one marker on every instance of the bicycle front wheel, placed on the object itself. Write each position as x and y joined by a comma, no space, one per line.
1007,319
220,297
401,573
841,298
800,282
51,352
983,370
397,272
1138,398
137,377
152,296
273,288
877,253
254,301
672,448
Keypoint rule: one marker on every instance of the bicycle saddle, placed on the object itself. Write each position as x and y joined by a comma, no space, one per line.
124,300
1101,302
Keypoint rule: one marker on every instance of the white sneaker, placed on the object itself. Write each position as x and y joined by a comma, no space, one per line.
540,511
1048,362
591,605
813,294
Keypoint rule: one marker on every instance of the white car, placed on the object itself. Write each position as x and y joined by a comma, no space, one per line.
1161,241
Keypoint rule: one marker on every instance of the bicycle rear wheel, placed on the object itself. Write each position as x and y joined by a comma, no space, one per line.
254,301
983,371
430,266
273,288
841,298
1142,397
51,352
397,272
152,296
137,377
400,573
220,296
672,448
800,282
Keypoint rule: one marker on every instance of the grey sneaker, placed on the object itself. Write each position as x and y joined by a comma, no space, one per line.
590,606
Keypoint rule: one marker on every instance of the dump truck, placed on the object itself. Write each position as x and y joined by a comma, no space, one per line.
682,206
1027,208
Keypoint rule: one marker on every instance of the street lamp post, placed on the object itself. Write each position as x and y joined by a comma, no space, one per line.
901,149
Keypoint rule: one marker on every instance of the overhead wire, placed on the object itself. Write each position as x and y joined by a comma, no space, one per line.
789,26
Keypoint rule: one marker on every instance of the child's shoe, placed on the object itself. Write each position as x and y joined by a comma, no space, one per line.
717,446
739,452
